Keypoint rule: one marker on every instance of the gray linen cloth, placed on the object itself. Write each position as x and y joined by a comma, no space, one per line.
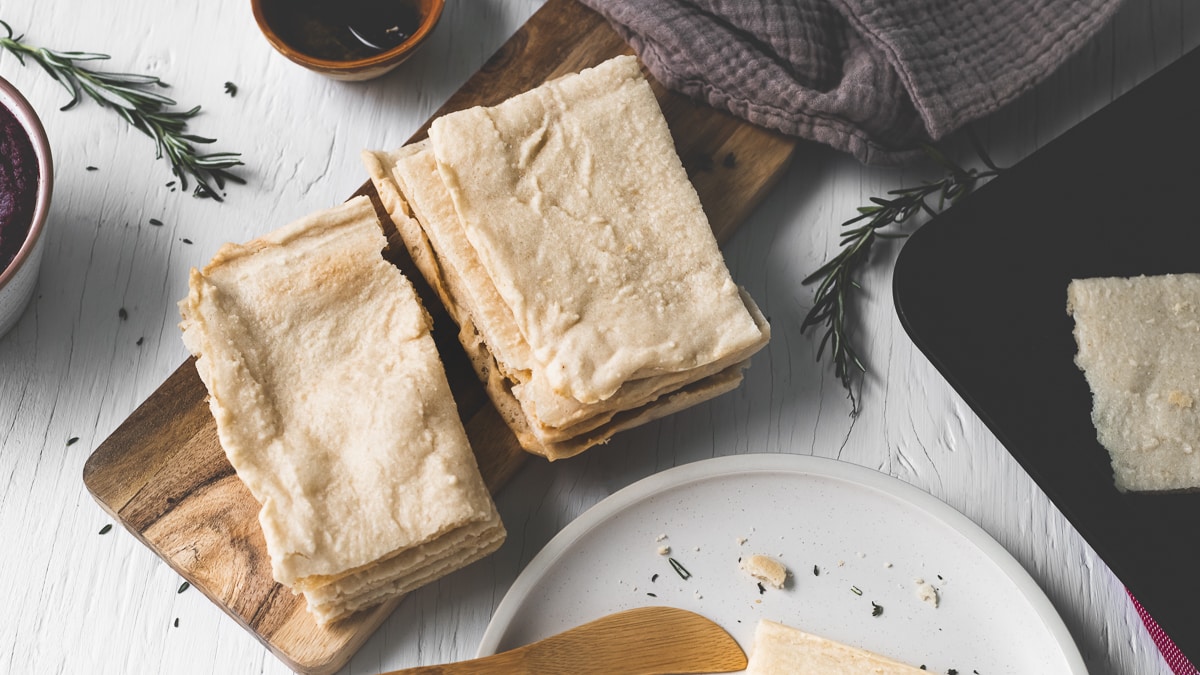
874,78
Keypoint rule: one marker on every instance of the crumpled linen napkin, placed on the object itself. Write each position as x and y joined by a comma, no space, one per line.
874,78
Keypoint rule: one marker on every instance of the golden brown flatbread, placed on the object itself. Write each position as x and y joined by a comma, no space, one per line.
332,406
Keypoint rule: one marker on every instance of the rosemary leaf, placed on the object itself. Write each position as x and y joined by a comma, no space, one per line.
836,279
132,97
679,569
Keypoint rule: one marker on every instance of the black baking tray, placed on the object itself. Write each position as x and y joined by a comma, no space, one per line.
981,289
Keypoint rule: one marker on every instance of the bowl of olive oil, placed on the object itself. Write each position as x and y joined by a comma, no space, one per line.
347,39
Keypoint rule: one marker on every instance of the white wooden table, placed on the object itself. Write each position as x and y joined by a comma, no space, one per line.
75,601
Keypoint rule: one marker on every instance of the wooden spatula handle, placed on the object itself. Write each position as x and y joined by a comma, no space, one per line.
510,663
642,641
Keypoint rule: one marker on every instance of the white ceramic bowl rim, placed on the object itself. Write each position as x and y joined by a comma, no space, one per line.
29,121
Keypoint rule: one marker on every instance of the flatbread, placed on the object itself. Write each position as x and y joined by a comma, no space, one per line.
472,297
583,217
1139,349
783,650
330,399
532,434
657,281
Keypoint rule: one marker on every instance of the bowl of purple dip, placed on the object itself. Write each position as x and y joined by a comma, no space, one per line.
26,181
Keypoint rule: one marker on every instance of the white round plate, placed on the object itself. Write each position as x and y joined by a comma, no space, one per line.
841,529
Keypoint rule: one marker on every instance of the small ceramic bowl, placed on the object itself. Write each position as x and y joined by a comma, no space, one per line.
347,39
19,276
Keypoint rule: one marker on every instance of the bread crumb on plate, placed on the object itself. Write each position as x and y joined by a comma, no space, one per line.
765,569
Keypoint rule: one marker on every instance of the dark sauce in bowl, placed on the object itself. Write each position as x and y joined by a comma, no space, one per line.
344,30
18,186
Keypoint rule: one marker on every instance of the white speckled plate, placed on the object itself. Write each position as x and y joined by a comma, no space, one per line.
862,530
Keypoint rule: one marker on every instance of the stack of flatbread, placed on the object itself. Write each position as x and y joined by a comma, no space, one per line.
332,406
561,232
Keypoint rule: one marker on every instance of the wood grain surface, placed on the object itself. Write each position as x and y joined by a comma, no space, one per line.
639,641
163,475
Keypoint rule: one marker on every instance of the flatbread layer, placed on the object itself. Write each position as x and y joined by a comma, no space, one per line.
581,214
783,650
470,296
425,564
1139,349
414,170
680,399
329,396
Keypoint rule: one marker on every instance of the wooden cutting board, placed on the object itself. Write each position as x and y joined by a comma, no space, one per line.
163,475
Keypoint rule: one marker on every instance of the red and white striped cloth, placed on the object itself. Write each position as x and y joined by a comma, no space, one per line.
1180,665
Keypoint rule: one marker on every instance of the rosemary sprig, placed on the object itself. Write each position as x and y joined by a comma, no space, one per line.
132,97
833,300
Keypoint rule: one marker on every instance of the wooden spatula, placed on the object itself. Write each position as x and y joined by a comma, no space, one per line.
644,641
